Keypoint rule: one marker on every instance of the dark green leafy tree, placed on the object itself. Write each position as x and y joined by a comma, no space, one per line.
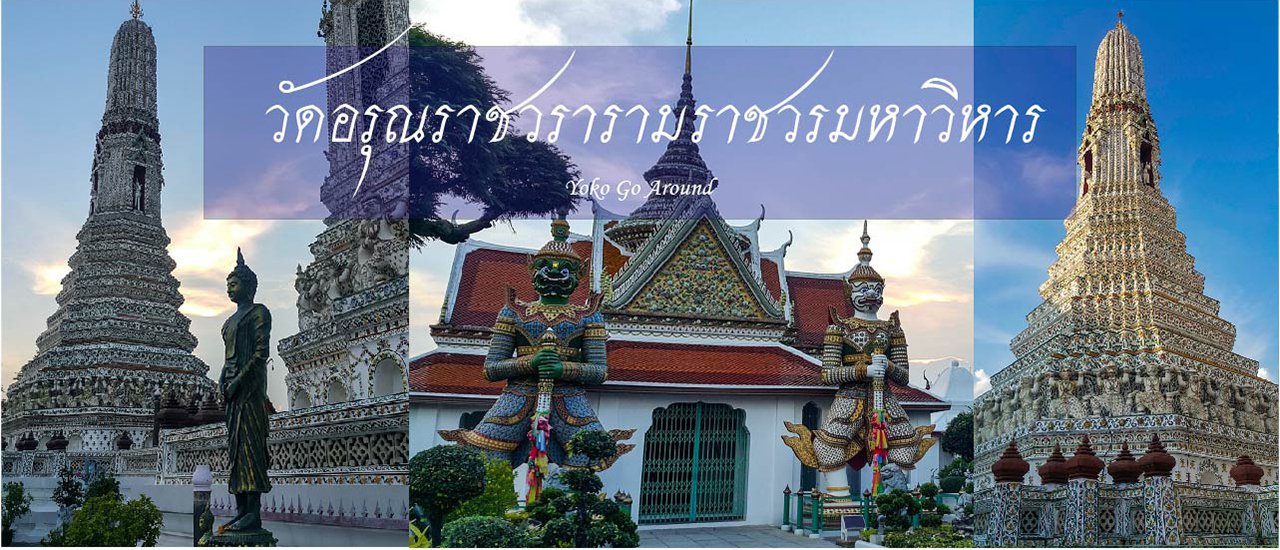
499,494
108,520
897,507
581,517
15,503
69,493
441,479
958,439
952,477
105,484
512,177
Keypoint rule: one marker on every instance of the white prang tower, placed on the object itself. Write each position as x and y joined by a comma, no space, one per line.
117,340
353,299
1126,344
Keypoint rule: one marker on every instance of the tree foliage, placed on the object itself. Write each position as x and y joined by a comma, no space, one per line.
69,492
897,507
581,517
499,494
108,520
484,532
508,178
958,439
441,479
15,503
942,536
103,485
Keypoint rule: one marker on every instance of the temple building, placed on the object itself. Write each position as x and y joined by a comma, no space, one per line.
117,356
117,340
1127,351
712,344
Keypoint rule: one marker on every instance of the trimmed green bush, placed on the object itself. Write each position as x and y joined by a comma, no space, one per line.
897,507
499,495
930,519
928,537
952,484
484,532
441,479
108,520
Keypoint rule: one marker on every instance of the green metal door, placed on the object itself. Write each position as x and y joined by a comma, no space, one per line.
809,417
695,464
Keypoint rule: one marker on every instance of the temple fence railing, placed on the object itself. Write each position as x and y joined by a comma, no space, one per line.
339,464
1013,514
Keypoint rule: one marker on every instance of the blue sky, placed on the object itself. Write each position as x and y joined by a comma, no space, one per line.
55,71
1211,83
1211,79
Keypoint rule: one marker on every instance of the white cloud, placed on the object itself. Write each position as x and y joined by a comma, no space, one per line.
47,277
203,256
983,382
542,22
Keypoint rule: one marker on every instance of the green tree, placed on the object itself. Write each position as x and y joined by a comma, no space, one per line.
581,517
499,494
108,520
951,478
504,179
897,507
958,439
105,484
69,492
15,503
441,479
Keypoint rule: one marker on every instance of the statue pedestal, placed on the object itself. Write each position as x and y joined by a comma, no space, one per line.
257,537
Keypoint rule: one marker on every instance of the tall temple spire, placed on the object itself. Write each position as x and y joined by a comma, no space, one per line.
1123,254
688,45
681,162
1125,308
1118,78
125,175
118,338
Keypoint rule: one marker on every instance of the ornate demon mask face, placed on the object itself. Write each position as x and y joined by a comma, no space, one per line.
555,277
867,296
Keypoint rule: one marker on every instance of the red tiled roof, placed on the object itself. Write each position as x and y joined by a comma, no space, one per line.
813,298
769,270
451,373
486,274
652,362
613,258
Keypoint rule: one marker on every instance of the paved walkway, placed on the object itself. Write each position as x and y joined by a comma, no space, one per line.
750,536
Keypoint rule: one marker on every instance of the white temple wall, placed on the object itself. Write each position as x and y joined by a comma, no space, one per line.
771,464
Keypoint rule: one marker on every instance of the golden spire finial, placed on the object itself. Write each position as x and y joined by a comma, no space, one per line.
1119,16
688,43
136,10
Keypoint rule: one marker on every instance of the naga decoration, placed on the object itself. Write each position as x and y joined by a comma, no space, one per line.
548,351
859,353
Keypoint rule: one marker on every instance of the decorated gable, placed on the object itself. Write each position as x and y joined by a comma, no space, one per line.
699,279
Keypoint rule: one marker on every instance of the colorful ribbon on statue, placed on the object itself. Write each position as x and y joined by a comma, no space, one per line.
540,429
878,438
